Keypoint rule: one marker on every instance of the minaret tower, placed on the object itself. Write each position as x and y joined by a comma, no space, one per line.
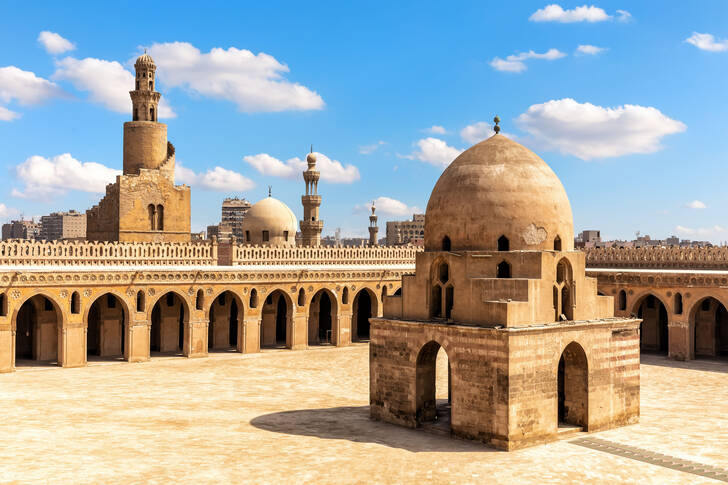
373,228
311,226
145,139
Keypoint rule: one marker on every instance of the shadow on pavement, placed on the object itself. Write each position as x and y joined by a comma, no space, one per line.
352,423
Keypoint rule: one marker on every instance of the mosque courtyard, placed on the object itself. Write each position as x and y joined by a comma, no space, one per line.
302,417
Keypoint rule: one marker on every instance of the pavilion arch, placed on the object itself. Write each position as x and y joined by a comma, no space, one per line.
276,319
364,307
564,273
169,315
225,315
573,386
107,319
428,407
322,317
708,321
38,323
654,333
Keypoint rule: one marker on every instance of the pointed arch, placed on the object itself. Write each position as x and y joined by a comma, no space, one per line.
503,244
573,386
622,300
428,407
253,298
446,245
75,303
106,323
557,243
503,270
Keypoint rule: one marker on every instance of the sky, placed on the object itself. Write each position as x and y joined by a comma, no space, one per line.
626,101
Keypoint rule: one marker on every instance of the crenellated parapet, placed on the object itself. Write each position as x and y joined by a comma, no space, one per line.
658,258
333,255
77,253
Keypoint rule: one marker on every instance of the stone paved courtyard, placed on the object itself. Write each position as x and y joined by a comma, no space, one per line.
302,417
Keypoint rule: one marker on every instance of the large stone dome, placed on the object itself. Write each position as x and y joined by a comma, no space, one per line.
273,217
499,188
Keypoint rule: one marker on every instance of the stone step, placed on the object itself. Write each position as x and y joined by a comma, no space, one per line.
568,431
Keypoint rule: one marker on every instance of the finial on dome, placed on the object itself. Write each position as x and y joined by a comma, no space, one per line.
270,187
311,159
496,128
373,208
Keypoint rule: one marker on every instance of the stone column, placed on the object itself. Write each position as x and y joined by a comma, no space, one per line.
679,342
72,345
342,329
249,334
7,348
138,334
195,339
299,332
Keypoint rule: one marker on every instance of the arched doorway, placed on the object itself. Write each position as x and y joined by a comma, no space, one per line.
654,336
433,387
37,326
226,316
168,333
365,307
321,318
276,320
573,387
710,328
105,333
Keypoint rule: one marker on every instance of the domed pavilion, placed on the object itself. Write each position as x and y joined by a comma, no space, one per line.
270,222
533,351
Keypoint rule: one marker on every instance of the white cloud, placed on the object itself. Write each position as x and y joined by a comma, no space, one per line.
514,62
7,115
696,204
435,130
54,43
7,212
331,170
369,149
107,83
477,132
588,131
255,83
707,42
24,87
623,16
589,50
555,13
48,177
388,206
434,151
701,231
218,178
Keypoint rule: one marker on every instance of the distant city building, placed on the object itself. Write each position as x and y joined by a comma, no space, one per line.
223,232
233,213
60,226
197,236
21,229
592,239
406,232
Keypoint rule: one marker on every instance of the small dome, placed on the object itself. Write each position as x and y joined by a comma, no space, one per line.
311,159
144,59
494,189
274,217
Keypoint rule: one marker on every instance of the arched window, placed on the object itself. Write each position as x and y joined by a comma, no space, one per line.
678,304
140,301
443,273
137,88
563,271
285,235
503,270
152,217
446,243
345,296
557,310
557,244
247,236
253,298
199,301
503,244
151,85
151,114
384,292
449,293
436,302
160,218
136,114
75,303
3,305
266,236
622,300
301,297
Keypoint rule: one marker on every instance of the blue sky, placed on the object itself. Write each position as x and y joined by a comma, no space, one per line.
634,122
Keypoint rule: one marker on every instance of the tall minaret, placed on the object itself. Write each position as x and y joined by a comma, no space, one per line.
373,228
145,139
311,226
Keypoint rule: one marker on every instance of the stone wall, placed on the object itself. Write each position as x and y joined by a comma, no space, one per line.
658,258
244,255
